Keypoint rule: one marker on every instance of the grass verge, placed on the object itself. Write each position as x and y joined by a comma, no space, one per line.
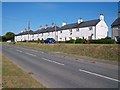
100,51
14,77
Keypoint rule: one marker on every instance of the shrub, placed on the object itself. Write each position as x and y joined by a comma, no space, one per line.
37,41
60,41
70,41
103,41
82,41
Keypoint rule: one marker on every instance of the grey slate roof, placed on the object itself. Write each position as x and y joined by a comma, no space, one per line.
68,26
89,23
49,29
116,22
83,24
23,33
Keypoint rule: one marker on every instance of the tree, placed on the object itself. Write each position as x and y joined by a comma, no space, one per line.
0,38
8,36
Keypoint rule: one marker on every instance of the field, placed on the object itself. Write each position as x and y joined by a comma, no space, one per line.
14,77
99,51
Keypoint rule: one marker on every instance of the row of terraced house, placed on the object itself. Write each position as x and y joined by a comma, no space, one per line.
91,29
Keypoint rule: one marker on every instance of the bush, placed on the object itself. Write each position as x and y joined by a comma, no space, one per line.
37,41
103,41
60,41
82,41
70,41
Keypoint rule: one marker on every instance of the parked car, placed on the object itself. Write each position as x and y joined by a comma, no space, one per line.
50,40
117,39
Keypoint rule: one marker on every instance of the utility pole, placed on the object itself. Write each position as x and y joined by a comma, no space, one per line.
28,29
55,33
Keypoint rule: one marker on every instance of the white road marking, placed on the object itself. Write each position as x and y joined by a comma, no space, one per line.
18,50
99,75
30,54
52,61
34,50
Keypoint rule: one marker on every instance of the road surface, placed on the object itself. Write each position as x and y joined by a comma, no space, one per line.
60,72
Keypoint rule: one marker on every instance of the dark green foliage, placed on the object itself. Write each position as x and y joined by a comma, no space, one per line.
37,41
8,36
103,41
70,41
4,38
0,38
83,41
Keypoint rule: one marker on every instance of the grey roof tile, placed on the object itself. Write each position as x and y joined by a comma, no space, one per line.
83,24
116,22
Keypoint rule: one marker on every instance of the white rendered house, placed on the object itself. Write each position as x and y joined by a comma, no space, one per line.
92,29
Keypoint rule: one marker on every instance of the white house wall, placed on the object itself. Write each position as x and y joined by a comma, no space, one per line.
82,33
101,30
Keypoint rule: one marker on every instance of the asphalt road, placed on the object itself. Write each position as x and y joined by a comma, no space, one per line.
60,72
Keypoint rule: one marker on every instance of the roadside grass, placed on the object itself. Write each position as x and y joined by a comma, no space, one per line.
14,77
0,71
100,51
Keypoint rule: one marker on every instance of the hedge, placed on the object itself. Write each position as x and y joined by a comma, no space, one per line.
103,41
83,41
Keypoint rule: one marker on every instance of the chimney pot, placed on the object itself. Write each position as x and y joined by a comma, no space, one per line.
119,14
64,23
101,17
40,27
53,25
80,20
46,26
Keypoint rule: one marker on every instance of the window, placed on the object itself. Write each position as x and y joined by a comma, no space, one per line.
70,30
60,38
42,34
37,34
65,38
70,38
115,27
77,37
77,29
48,33
90,28
61,31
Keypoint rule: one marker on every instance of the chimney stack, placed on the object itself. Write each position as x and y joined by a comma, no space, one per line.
53,25
119,14
46,26
40,27
80,20
28,25
101,17
25,30
64,23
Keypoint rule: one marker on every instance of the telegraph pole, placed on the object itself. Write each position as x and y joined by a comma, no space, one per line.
55,33
28,29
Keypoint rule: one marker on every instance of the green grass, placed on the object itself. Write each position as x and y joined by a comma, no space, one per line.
14,77
99,51
0,72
